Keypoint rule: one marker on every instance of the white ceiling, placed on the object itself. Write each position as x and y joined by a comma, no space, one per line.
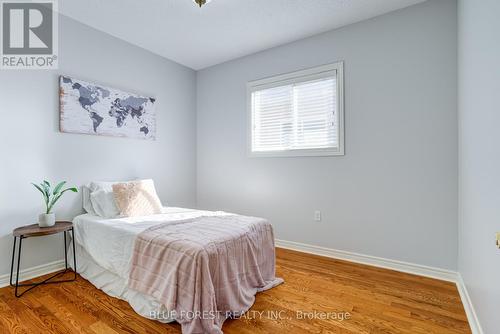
223,29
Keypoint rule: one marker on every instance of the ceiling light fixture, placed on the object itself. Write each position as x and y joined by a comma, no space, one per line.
201,2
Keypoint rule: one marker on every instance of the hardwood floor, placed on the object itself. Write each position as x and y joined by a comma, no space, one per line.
377,300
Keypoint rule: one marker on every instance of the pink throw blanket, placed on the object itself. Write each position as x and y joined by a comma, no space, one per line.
205,269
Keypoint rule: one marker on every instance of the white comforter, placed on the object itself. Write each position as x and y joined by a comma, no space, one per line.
110,242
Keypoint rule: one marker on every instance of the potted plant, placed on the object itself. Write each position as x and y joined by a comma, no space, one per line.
50,197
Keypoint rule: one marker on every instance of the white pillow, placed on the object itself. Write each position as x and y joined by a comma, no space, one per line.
102,185
87,204
104,203
91,187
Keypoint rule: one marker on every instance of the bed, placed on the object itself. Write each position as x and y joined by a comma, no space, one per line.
137,259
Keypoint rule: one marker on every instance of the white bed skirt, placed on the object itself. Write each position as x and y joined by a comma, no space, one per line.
116,286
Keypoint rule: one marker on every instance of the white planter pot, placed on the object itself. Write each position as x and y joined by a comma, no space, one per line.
46,219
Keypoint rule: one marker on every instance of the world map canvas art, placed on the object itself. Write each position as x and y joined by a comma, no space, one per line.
94,109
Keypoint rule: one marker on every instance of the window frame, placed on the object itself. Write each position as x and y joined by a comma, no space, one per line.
305,75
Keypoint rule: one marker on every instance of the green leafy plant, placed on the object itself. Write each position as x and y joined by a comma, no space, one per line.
50,196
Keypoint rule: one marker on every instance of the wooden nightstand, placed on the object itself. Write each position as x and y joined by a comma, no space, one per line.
36,231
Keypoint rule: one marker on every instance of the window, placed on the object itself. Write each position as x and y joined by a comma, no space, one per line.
297,114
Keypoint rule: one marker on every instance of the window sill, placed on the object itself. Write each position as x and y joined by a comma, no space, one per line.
297,153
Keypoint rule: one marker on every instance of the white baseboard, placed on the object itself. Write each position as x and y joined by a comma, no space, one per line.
33,272
406,267
468,306
411,268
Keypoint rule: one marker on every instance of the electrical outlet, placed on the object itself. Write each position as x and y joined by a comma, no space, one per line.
498,239
317,216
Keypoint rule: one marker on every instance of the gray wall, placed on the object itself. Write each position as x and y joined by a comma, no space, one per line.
394,193
479,117
31,147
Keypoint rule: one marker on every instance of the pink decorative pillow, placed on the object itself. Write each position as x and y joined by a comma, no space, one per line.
137,198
